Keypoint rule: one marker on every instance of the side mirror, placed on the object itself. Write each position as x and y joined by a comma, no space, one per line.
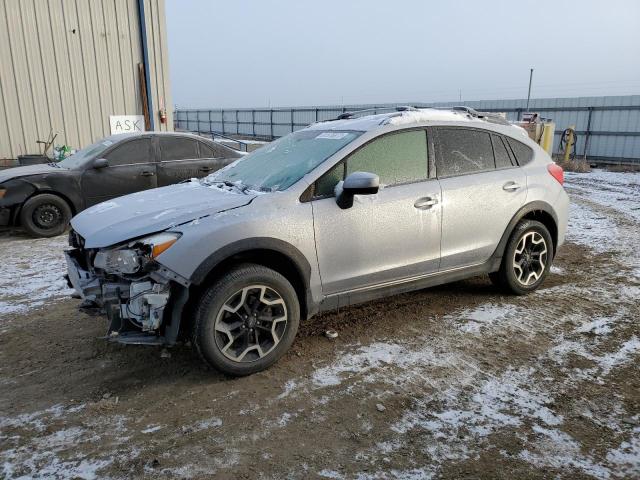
100,163
358,183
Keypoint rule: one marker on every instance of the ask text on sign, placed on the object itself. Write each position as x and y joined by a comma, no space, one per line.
126,123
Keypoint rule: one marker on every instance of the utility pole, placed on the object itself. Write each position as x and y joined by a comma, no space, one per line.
529,94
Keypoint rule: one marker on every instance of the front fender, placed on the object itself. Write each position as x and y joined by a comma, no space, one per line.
17,192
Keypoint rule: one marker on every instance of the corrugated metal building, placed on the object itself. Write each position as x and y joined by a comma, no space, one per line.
67,65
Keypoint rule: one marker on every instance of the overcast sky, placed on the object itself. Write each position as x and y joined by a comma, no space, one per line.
252,53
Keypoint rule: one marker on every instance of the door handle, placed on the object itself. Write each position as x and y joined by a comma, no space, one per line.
425,203
510,186
206,169
147,173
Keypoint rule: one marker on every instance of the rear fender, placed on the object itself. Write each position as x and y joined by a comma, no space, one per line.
496,258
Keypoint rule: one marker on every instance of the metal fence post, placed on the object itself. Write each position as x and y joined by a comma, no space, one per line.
253,122
198,118
271,122
237,123
316,114
210,129
292,120
587,134
222,118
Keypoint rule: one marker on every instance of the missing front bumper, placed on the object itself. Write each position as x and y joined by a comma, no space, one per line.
138,310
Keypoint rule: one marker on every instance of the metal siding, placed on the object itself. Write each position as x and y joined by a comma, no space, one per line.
278,121
55,78
158,62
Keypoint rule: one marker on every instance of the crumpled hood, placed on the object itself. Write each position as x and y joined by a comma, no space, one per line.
152,211
17,172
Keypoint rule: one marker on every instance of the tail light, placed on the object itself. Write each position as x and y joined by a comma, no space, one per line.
556,172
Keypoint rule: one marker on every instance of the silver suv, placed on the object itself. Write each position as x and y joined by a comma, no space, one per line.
338,213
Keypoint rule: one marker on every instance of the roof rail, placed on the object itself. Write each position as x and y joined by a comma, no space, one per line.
348,115
489,117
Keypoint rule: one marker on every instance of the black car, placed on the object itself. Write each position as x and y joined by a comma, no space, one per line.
43,198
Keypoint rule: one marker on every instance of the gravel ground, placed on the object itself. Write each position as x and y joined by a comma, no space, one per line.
451,382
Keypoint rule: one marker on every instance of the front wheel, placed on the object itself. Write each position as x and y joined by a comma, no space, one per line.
247,320
45,215
527,258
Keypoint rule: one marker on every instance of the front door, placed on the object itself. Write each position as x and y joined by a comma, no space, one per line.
388,237
481,192
131,169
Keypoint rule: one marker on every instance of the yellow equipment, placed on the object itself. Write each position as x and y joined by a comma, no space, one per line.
540,130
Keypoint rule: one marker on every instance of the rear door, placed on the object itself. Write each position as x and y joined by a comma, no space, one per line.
131,169
182,158
482,189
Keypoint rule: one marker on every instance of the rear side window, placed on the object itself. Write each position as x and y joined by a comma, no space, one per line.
133,151
396,158
522,152
178,148
501,154
207,151
462,151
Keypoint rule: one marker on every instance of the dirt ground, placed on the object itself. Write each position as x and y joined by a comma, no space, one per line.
452,382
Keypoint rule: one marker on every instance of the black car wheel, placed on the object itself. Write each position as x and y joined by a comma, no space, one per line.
45,215
247,320
526,260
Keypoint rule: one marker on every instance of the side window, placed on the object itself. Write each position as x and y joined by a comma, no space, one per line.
327,183
208,151
500,151
133,151
523,153
178,148
396,158
462,151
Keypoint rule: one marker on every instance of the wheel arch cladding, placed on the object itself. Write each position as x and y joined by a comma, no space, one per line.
272,253
539,211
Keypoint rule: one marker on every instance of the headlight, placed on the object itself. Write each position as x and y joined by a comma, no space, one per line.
159,243
130,258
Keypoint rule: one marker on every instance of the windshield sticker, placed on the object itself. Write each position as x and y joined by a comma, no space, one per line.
333,135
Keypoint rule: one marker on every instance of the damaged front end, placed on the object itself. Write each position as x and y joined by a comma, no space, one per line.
142,299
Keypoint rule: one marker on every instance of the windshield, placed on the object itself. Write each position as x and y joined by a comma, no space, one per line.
280,164
87,153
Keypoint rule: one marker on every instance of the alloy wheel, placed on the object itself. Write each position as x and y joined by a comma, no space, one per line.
250,323
530,258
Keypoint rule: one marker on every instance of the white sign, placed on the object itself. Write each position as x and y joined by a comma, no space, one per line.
126,123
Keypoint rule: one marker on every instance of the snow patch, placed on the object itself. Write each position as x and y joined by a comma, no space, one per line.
32,273
483,316
428,115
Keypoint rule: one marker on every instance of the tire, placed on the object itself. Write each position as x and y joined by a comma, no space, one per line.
526,260
225,332
45,215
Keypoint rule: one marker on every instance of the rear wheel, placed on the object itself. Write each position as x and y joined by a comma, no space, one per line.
527,258
247,320
45,215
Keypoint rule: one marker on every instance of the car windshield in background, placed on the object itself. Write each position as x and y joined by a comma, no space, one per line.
282,163
87,153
